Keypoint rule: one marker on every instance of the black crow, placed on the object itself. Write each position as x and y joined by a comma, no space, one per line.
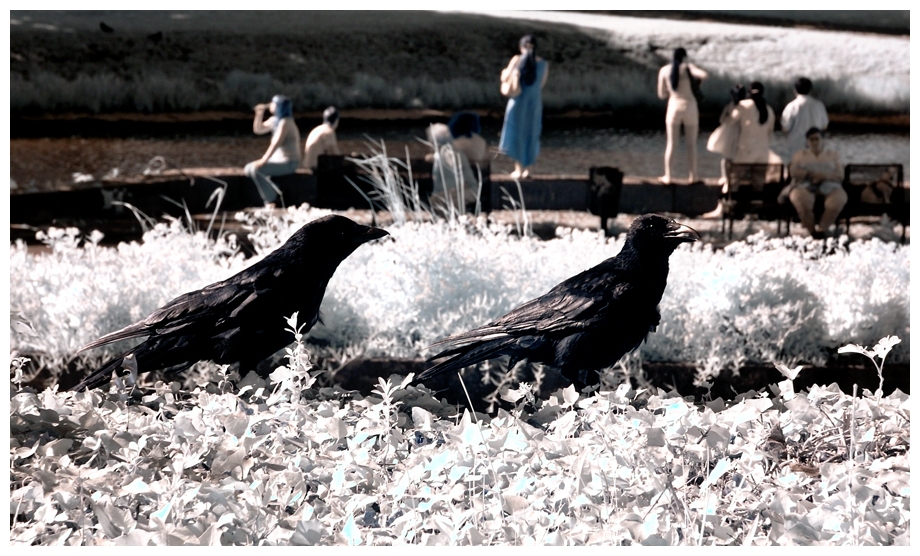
241,318
586,323
156,37
105,28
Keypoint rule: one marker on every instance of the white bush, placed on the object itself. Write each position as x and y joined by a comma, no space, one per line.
758,301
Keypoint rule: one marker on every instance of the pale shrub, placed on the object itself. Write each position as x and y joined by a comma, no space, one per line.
758,301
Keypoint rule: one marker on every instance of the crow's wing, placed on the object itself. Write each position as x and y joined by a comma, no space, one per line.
571,306
209,306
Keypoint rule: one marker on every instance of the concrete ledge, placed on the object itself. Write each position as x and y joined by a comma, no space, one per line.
194,187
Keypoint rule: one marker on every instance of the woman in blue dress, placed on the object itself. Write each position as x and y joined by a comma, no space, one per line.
524,114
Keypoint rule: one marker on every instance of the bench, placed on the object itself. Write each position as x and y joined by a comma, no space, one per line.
754,189
872,190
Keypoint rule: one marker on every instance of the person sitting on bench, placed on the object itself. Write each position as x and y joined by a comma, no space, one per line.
816,171
322,139
879,191
283,154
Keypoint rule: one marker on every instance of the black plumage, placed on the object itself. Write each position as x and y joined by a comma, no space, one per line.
105,28
586,323
241,319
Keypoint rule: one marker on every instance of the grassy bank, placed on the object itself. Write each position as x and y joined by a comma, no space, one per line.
63,62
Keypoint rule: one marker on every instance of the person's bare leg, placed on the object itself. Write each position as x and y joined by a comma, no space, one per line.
804,203
692,132
673,132
517,170
833,206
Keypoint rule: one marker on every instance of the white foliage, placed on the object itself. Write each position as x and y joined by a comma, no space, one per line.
788,300
817,468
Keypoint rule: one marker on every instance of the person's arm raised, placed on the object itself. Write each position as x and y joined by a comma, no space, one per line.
258,126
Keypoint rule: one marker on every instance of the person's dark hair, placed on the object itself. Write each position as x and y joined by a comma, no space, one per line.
679,55
738,93
759,102
330,115
464,124
813,131
803,85
527,65
284,108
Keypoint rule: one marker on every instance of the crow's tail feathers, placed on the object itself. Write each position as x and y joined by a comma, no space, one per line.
100,375
466,355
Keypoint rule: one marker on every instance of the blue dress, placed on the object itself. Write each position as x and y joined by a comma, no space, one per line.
524,121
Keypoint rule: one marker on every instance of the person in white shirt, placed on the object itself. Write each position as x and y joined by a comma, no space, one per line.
322,139
802,114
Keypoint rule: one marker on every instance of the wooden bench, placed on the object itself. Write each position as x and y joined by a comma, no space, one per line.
754,189
874,190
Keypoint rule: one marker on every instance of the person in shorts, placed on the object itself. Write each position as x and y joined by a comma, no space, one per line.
815,172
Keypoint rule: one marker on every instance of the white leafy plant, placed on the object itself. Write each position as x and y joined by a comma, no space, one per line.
881,350
758,301
292,379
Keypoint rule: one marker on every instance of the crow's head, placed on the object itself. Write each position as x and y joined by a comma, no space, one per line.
334,236
653,231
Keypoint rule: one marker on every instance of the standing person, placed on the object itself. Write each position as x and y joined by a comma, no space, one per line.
674,84
724,140
520,137
283,154
322,139
802,114
756,119
816,171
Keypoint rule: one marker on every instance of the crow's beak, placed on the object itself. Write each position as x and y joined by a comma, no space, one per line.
681,233
370,233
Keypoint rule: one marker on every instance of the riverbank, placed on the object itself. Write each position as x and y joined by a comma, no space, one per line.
570,145
207,122
156,62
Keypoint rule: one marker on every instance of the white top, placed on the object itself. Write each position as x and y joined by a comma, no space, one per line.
754,140
800,115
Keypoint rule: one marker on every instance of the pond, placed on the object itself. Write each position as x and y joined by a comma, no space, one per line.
48,163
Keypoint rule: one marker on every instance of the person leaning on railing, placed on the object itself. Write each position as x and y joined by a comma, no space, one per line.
816,171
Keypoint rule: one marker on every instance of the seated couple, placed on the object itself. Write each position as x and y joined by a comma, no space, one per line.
283,156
